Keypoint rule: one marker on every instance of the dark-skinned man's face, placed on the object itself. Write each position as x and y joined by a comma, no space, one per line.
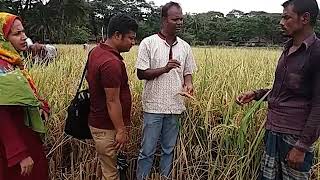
291,23
173,23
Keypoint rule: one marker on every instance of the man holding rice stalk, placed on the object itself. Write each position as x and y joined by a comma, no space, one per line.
110,94
166,64
41,53
293,120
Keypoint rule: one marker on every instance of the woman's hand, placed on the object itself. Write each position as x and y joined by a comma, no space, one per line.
26,166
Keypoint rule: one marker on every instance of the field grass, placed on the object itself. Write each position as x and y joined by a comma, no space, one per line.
218,139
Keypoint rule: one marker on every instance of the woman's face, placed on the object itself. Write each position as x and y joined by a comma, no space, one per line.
17,36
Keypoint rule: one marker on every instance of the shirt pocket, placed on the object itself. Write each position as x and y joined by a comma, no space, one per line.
294,81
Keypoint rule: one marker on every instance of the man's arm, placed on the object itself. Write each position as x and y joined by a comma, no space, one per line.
188,79
36,49
114,108
110,75
188,85
189,68
258,94
144,70
150,74
249,96
45,52
311,131
115,112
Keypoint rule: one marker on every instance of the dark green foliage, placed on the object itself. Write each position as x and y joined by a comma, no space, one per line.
80,21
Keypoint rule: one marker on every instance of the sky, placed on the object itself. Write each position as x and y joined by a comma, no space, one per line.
225,6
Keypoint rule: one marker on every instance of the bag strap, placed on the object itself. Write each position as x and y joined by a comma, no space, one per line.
84,73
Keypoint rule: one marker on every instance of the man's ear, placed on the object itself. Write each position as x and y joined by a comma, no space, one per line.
117,35
306,18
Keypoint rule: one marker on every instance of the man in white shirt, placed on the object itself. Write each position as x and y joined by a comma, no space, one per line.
166,64
41,53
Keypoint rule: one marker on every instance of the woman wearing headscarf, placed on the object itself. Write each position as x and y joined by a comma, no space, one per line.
21,151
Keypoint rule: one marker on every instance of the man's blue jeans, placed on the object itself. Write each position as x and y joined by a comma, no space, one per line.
157,126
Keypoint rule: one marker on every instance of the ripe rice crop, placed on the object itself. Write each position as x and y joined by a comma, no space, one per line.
218,139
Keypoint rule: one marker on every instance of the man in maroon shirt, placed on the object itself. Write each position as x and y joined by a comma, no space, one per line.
110,94
293,121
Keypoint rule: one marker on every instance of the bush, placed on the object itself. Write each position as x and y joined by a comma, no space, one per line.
77,35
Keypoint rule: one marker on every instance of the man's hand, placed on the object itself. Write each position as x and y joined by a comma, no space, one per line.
245,98
172,64
295,158
36,48
187,91
188,88
121,139
26,166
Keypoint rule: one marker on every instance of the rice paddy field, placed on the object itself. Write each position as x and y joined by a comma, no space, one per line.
218,139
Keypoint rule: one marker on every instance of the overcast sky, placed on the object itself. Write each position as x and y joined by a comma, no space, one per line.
225,6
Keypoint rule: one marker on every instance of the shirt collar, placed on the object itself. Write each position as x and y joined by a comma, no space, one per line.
163,37
111,50
310,40
307,42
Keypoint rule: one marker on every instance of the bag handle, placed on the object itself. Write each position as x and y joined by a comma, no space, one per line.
83,73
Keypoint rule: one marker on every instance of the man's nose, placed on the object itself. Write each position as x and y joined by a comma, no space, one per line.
281,23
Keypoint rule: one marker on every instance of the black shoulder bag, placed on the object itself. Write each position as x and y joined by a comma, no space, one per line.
78,112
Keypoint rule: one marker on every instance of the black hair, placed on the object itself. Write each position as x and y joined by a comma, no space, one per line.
304,6
121,23
166,7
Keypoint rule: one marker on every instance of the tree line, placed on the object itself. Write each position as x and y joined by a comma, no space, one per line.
83,21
